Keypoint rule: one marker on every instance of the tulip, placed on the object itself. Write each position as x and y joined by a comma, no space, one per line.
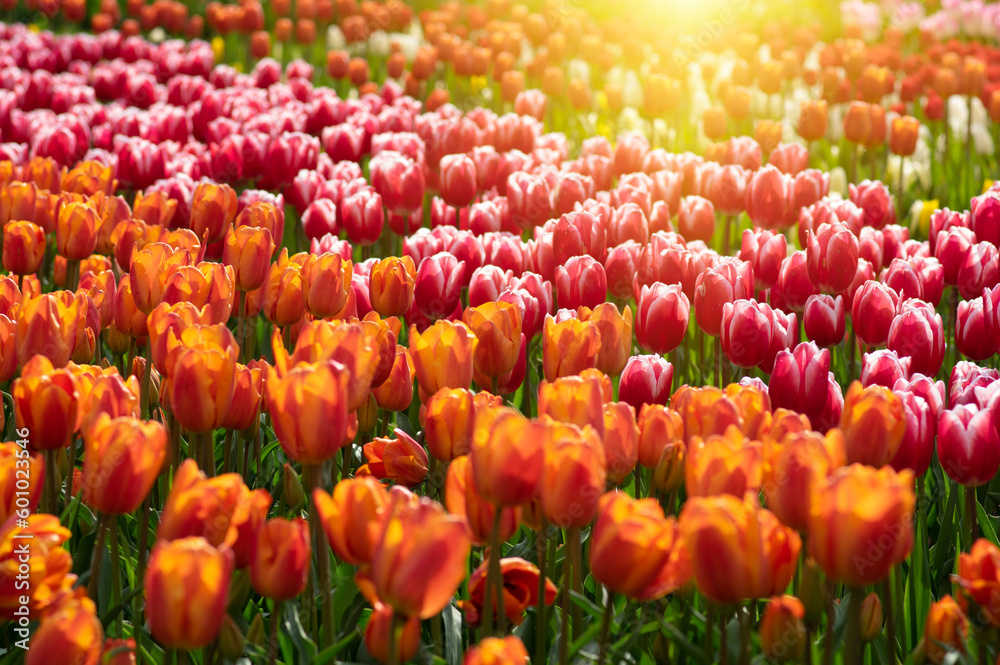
363,217
437,285
401,460
497,327
951,248
400,182
279,568
213,209
248,250
968,445
831,257
568,347
873,311
23,247
46,404
378,632
244,411
615,333
458,180
873,424
497,651
918,332
48,574
146,268
573,477
971,328
728,281
812,120
123,459
794,465
917,448
347,513
463,499
782,631
884,368
17,464
980,269
823,318
443,356
76,231
187,591
903,137
646,380
769,197
69,632
945,629
573,400
799,380
417,562
581,282
984,216
747,332
977,578
661,317
448,418
309,409
520,589
724,528
854,508
391,286
396,392
507,458
696,218
726,464
202,380
46,326
765,251
8,348
326,281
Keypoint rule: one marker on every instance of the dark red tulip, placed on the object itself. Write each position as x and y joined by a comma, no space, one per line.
831,257
581,283
873,312
884,368
968,445
799,380
917,332
926,388
864,273
766,250
438,285
747,330
646,379
970,329
661,319
730,280
824,319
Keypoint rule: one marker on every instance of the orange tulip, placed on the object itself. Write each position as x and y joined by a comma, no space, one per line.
574,400
8,348
99,285
507,456
615,331
266,216
568,347
22,476
106,394
201,382
401,460
155,208
448,419
348,515
497,327
812,120
23,247
43,171
497,651
281,296
166,326
213,209
574,475
308,407
903,135
149,267
978,580
754,407
88,178
727,464
46,326
326,284
705,411
48,564
520,590
76,231
279,568
45,403
861,523
378,632
738,551
463,499
946,628
218,509
245,407
635,551
248,250
187,591
794,467
396,392
443,356
873,422
17,202
123,459
659,427
207,284
69,632
390,285
621,440
119,652
782,630
419,559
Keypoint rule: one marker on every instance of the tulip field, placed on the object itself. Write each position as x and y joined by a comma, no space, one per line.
495,332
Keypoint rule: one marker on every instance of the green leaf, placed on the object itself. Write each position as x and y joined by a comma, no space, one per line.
986,524
943,547
291,626
588,605
452,619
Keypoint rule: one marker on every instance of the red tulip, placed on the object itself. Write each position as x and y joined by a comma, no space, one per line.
824,319
438,285
968,445
831,256
581,282
769,197
661,317
458,180
747,330
646,380
918,332
766,250
979,270
363,217
727,281
873,312
917,448
884,368
971,328
696,218
400,182
800,380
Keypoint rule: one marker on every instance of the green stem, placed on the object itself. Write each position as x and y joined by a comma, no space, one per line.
323,559
144,385
609,611
71,455
227,445
140,573
272,643
971,519
95,566
710,632
723,641
492,573
855,648
115,573
890,619
567,602
51,482
542,545
576,554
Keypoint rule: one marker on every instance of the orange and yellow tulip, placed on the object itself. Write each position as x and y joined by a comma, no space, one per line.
448,419
201,381
782,630
507,456
615,329
727,464
573,400
401,460
213,209
207,284
88,178
574,475
47,326
738,551
76,231
793,467
396,392
281,297
520,584
349,513
247,390
69,632
568,347
378,632
46,404
463,499
279,567
17,464
326,284
659,428
166,325
978,581
861,524
187,591
621,440
48,564
23,247
123,459
308,406
155,209
443,356
635,550
873,423
390,285
148,270
946,628
497,327
705,411
248,250
497,651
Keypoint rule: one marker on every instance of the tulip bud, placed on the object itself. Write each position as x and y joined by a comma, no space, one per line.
812,592
255,633
782,631
231,640
946,628
294,496
871,617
